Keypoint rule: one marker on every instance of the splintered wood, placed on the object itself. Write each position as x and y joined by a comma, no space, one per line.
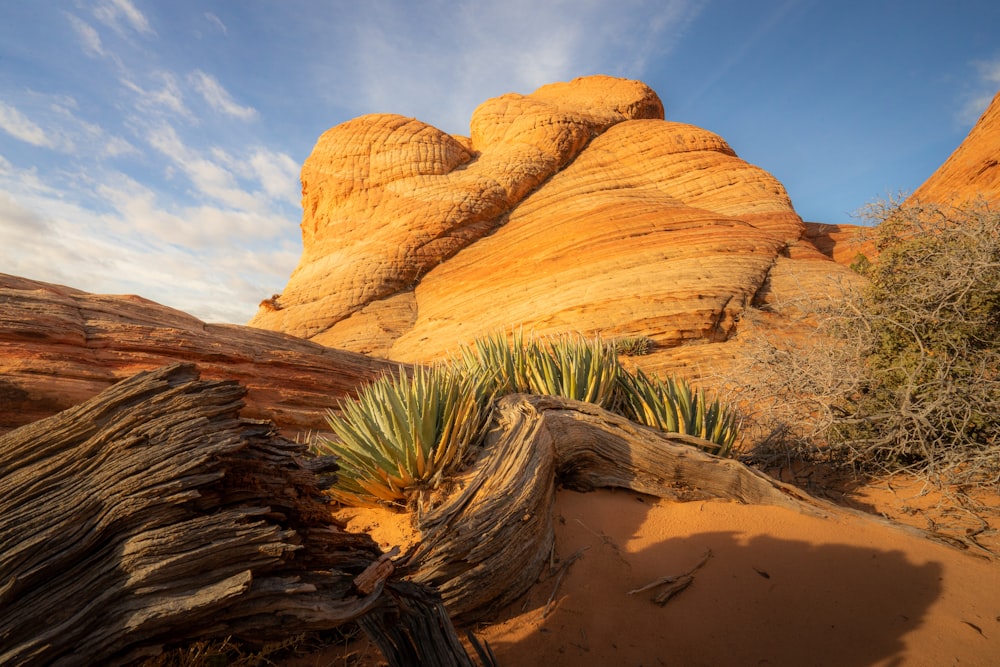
154,515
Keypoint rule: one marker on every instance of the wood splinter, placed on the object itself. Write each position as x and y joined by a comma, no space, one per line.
674,583
376,573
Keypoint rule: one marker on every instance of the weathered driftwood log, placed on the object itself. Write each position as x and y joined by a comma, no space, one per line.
152,514
487,544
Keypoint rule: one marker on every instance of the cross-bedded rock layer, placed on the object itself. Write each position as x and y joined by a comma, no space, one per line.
574,208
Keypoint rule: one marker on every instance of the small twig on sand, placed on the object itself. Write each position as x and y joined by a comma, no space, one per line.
675,583
562,571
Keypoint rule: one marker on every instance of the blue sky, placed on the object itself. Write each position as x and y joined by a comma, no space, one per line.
153,146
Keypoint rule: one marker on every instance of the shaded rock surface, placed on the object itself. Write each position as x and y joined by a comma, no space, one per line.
973,170
574,208
841,243
60,346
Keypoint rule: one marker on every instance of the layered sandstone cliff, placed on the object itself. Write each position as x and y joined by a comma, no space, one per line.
574,208
60,346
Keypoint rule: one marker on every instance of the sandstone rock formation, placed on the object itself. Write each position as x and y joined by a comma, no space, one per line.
574,208
60,346
841,243
973,170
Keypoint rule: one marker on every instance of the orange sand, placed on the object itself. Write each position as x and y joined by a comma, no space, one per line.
780,588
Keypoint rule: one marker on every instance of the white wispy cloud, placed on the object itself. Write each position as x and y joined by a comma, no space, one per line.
218,97
195,228
122,15
52,122
210,261
90,39
19,126
18,219
163,93
985,88
217,22
438,66
210,177
213,237
278,174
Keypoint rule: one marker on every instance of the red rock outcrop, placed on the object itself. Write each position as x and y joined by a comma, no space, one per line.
841,243
973,170
60,346
574,208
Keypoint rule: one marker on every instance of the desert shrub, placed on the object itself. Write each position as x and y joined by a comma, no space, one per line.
632,346
409,432
671,405
404,432
792,389
929,332
903,372
588,370
568,366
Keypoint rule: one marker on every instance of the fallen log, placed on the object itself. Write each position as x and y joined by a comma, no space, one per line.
486,545
153,515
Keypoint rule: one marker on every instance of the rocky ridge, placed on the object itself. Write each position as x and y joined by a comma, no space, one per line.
574,208
60,346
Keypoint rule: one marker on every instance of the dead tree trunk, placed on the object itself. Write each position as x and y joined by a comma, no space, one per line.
153,515
486,545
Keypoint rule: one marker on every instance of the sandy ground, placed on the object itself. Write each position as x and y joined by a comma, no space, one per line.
779,588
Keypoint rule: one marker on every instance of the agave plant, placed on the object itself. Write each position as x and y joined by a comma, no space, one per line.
502,365
568,366
403,433
671,405
573,367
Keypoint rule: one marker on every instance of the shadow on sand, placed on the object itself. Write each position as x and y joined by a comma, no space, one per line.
759,599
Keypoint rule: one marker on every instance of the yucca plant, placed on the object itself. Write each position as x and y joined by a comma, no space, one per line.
567,366
576,368
671,405
404,432
502,365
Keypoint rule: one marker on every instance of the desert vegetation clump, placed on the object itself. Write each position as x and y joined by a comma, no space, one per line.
929,321
908,375
404,432
672,405
407,432
635,345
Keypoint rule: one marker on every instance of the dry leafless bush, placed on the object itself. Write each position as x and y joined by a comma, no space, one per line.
930,402
903,374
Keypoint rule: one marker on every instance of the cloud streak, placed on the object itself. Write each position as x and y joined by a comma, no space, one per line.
19,126
439,66
122,16
987,83
89,37
218,98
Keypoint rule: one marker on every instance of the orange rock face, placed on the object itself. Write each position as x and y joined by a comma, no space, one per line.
60,346
841,243
574,208
973,170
